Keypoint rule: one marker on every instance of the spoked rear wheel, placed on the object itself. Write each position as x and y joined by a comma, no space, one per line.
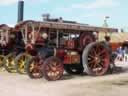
33,67
52,69
20,62
9,63
96,59
85,39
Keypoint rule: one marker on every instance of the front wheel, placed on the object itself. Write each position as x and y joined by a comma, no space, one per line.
9,63
52,69
20,62
33,67
96,59
1,61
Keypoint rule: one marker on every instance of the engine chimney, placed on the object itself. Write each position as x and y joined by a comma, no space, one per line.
46,17
20,10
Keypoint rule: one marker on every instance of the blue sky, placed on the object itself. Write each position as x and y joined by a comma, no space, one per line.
84,11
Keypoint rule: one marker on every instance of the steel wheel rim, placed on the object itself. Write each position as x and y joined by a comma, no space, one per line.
35,69
21,63
10,63
98,59
54,69
1,60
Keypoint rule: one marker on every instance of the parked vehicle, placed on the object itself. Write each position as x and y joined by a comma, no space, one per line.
70,46
10,46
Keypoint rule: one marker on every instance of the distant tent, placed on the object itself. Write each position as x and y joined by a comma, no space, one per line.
115,37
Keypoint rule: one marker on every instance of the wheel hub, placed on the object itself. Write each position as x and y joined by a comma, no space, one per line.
97,60
54,69
38,67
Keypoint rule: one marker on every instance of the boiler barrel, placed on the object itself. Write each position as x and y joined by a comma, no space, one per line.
46,52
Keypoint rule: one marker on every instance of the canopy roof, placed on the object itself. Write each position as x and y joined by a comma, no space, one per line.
70,26
4,26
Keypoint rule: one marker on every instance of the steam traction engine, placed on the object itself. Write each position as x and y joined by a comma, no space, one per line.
59,45
3,28
10,45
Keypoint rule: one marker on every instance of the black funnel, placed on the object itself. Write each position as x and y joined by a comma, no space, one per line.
20,10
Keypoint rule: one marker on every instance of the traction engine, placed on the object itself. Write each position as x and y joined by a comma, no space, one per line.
10,46
57,46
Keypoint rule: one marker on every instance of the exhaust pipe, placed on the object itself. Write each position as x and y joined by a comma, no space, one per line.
20,10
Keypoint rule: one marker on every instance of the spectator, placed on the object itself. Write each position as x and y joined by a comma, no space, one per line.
120,54
125,54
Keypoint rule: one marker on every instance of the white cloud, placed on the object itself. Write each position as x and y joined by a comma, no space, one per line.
103,4
7,2
91,6
94,15
11,25
38,1
94,5
10,2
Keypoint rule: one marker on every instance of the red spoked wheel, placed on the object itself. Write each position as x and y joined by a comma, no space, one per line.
52,69
96,59
33,67
85,39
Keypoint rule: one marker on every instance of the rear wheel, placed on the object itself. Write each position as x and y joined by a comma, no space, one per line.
33,67
20,62
96,59
9,63
52,69
85,39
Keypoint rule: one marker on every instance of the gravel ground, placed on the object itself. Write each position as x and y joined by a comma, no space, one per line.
109,85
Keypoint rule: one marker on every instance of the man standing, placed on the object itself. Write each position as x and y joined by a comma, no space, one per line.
120,54
125,54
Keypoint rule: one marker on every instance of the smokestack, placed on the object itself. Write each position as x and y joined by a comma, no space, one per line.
46,17
20,10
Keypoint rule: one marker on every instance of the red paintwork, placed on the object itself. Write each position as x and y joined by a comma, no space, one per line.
71,59
29,48
115,46
60,53
71,44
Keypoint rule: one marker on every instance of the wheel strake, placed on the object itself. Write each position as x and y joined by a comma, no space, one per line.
9,63
33,68
96,59
1,60
52,69
20,62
